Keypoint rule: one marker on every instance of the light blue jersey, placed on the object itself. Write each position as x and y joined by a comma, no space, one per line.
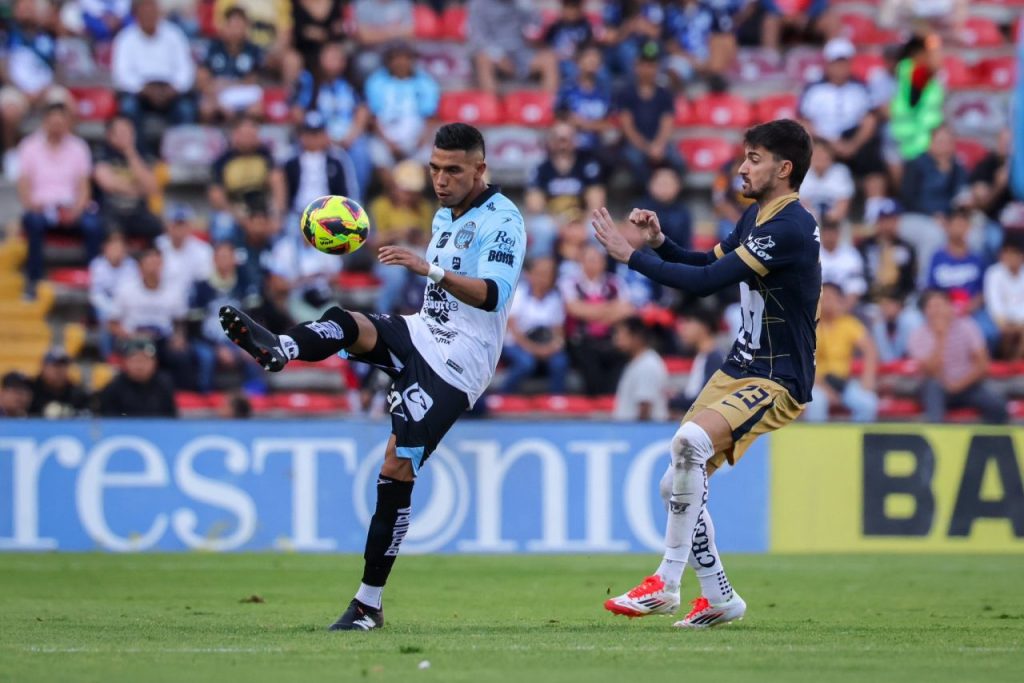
460,342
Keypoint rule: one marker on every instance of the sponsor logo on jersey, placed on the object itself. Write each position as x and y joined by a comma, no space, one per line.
464,237
504,241
442,335
454,366
491,207
456,263
501,257
438,305
442,241
760,246
417,402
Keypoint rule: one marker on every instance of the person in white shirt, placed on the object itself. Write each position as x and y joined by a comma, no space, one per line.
642,393
153,69
187,259
828,186
841,264
1004,298
536,330
110,272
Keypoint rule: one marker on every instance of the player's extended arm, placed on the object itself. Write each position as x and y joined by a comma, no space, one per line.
673,253
698,280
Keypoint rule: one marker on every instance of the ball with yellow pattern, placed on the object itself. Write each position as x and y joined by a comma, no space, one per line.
335,225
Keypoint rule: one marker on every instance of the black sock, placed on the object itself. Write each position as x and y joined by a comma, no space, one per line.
387,529
335,330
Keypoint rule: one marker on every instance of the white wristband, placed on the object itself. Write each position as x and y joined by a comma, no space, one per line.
436,273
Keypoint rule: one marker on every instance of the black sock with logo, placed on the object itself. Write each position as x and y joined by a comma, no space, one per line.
316,340
387,529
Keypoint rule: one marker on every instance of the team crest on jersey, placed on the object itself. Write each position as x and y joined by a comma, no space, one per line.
464,237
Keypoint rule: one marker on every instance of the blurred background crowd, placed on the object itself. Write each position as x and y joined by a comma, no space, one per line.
157,155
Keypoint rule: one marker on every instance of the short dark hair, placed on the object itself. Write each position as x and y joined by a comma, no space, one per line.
459,136
634,325
788,141
833,286
1012,242
703,316
235,11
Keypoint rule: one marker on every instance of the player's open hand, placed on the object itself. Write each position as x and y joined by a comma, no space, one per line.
407,258
609,236
648,223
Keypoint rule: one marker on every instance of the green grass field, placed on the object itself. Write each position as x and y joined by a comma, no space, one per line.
169,617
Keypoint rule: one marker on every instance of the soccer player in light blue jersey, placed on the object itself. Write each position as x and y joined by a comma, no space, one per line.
440,359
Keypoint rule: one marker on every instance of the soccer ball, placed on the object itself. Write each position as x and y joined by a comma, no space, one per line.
335,225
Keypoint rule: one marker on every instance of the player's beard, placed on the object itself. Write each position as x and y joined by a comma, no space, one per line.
756,193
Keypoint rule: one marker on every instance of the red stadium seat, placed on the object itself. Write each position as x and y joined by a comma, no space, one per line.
805,64
957,73
900,368
722,111
275,105
530,108
302,402
757,65
357,280
863,30
73,278
564,405
453,23
188,401
970,152
962,415
898,408
426,23
677,365
998,73
790,8
603,404
1016,410
684,111
981,32
864,65
509,404
471,106
706,155
781,106
94,104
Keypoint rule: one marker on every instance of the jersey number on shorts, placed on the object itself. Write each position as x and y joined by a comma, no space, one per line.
752,395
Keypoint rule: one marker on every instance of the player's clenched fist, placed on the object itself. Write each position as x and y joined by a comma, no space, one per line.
649,225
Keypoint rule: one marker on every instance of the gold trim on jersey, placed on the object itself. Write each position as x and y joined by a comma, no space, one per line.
719,252
751,260
771,209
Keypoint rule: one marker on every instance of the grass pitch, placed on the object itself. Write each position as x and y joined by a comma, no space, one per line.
477,619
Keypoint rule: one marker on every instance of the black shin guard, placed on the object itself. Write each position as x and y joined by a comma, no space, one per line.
335,330
387,529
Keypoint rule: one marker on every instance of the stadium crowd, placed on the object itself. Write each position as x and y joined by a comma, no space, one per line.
922,241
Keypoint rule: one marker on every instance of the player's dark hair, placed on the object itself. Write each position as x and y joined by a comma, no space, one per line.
634,325
788,141
459,136
235,11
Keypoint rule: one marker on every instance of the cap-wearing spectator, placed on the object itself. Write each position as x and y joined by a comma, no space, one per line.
495,31
125,182
696,329
536,330
892,325
595,301
932,181
152,68
954,363
110,272
314,24
840,337
828,186
139,390
568,180
103,19
727,197
916,107
565,35
890,262
642,391
1004,298
15,395
585,99
246,169
646,111
841,263
664,197
379,22
227,77
327,91
54,394
316,170
187,259
54,190
404,100
955,269
27,75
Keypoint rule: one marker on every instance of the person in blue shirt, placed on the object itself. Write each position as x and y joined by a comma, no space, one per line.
628,26
102,19
587,99
565,35
664,197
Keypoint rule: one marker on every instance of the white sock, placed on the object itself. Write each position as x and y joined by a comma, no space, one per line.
704,558
692,448
370,596
288,346
671,572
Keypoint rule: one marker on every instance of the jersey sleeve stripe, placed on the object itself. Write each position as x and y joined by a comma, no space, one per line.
719,252
751,260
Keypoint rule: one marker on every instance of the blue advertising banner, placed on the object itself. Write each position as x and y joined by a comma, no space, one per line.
507,487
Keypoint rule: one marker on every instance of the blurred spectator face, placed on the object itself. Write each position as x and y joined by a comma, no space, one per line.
401,63
832,305
838,71
665,185
120,133
178,232
409,183
15,395
140,365
943,145
1012,257
333,60
246,136
890,307
572,10
589,60
888,227
114,249
574,232
624,340
593,262
55,374
821,157
646,71
829,236
542,276
151,264
314,140
147,15
938,311
224,259
235,28
957,227
56,123
562,139
258,228
692,331
25,11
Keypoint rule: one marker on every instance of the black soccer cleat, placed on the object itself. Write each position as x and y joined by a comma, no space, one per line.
359,617
254,339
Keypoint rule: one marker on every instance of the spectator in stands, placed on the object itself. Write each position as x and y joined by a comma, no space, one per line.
139,390
698,42
315,23
15,395
595,301
536,330
840,337
245,170
828,187
696,329
126,183
380,22
54,190
664,197
954,363
299,277
955,269
890,262
841,263
255,241
155,309
585,99
640,291
646,111
573,236
990,189
327,91
565,35
27,63
224,287
727,198
1004,298
270,29
316,170
628,27
152,69
54,394
893,324
642,391
226,80
404,100
103,19
934,181
401,216
187,259
839,109
109,273
569,180
915,111
496,33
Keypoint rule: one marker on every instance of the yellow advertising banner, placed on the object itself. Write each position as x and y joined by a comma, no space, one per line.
902,488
